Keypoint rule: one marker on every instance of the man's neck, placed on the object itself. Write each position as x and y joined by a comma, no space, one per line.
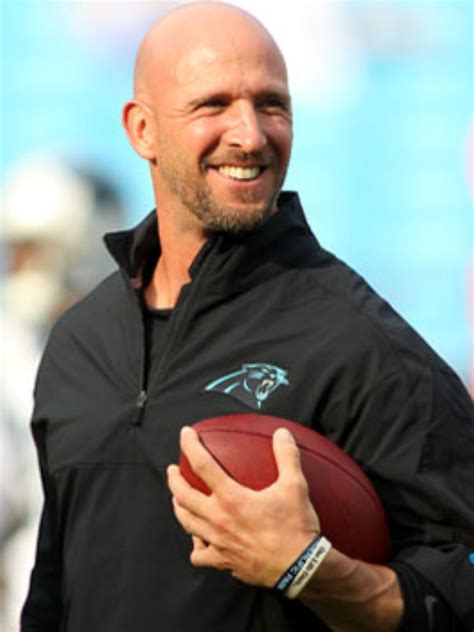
179,248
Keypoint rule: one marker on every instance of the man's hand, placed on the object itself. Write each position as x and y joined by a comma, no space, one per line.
255,535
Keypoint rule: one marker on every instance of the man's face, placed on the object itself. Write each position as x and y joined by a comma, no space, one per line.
224,132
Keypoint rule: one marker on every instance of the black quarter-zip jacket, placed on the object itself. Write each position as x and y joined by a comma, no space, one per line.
270,323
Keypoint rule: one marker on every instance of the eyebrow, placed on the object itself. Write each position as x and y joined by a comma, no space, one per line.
281,96
208,96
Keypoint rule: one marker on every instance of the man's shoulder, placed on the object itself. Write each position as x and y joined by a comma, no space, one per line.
94,311
364,319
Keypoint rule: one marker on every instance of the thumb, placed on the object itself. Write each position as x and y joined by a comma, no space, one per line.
286,453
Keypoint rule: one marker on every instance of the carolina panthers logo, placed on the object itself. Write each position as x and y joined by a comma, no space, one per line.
253,384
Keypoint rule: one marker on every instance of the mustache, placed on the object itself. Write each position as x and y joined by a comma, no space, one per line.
249,159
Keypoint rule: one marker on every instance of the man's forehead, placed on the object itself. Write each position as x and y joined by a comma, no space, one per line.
198,63
195,63
190,41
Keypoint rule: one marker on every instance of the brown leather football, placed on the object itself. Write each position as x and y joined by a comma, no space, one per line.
351,514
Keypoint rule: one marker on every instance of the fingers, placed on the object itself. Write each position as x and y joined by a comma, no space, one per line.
193,524
186,496
287,455
292,479
209,556
198,543
197,512
202,462
205,554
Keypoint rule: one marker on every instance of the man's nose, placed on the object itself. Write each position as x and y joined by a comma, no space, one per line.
245,129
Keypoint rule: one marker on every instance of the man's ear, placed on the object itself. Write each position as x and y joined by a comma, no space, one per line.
139,124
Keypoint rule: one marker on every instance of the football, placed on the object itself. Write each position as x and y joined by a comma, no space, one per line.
350,512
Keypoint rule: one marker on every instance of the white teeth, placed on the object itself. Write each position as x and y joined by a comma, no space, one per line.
240,173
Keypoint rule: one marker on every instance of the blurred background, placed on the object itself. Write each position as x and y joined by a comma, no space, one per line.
383,159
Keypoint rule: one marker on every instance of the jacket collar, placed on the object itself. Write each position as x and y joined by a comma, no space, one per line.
137,250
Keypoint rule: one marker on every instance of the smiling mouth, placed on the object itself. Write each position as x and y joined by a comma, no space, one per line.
240,173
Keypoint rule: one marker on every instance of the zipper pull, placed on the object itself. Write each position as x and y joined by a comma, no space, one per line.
140,406
141,399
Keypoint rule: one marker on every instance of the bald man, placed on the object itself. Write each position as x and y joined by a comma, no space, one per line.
224,278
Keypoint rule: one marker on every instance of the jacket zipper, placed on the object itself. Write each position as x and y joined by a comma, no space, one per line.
142,396
139,407
177,325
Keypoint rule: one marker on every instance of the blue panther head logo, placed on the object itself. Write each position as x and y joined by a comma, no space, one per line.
252,384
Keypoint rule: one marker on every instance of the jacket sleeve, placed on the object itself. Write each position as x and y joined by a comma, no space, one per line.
412,431
42,611
429,485
43,606
424,606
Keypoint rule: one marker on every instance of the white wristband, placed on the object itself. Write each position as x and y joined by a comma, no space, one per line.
308,570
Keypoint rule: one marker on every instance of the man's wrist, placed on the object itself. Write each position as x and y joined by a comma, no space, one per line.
295,578
349,592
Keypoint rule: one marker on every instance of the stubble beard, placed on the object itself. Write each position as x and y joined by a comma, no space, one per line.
197,197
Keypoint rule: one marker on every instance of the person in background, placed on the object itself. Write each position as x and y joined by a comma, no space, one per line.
54,213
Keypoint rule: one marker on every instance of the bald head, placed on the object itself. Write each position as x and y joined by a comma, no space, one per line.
199,29
212,116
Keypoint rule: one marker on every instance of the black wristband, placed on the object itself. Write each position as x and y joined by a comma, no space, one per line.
291,572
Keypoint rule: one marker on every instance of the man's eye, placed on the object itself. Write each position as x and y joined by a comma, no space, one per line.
273,105
214,104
